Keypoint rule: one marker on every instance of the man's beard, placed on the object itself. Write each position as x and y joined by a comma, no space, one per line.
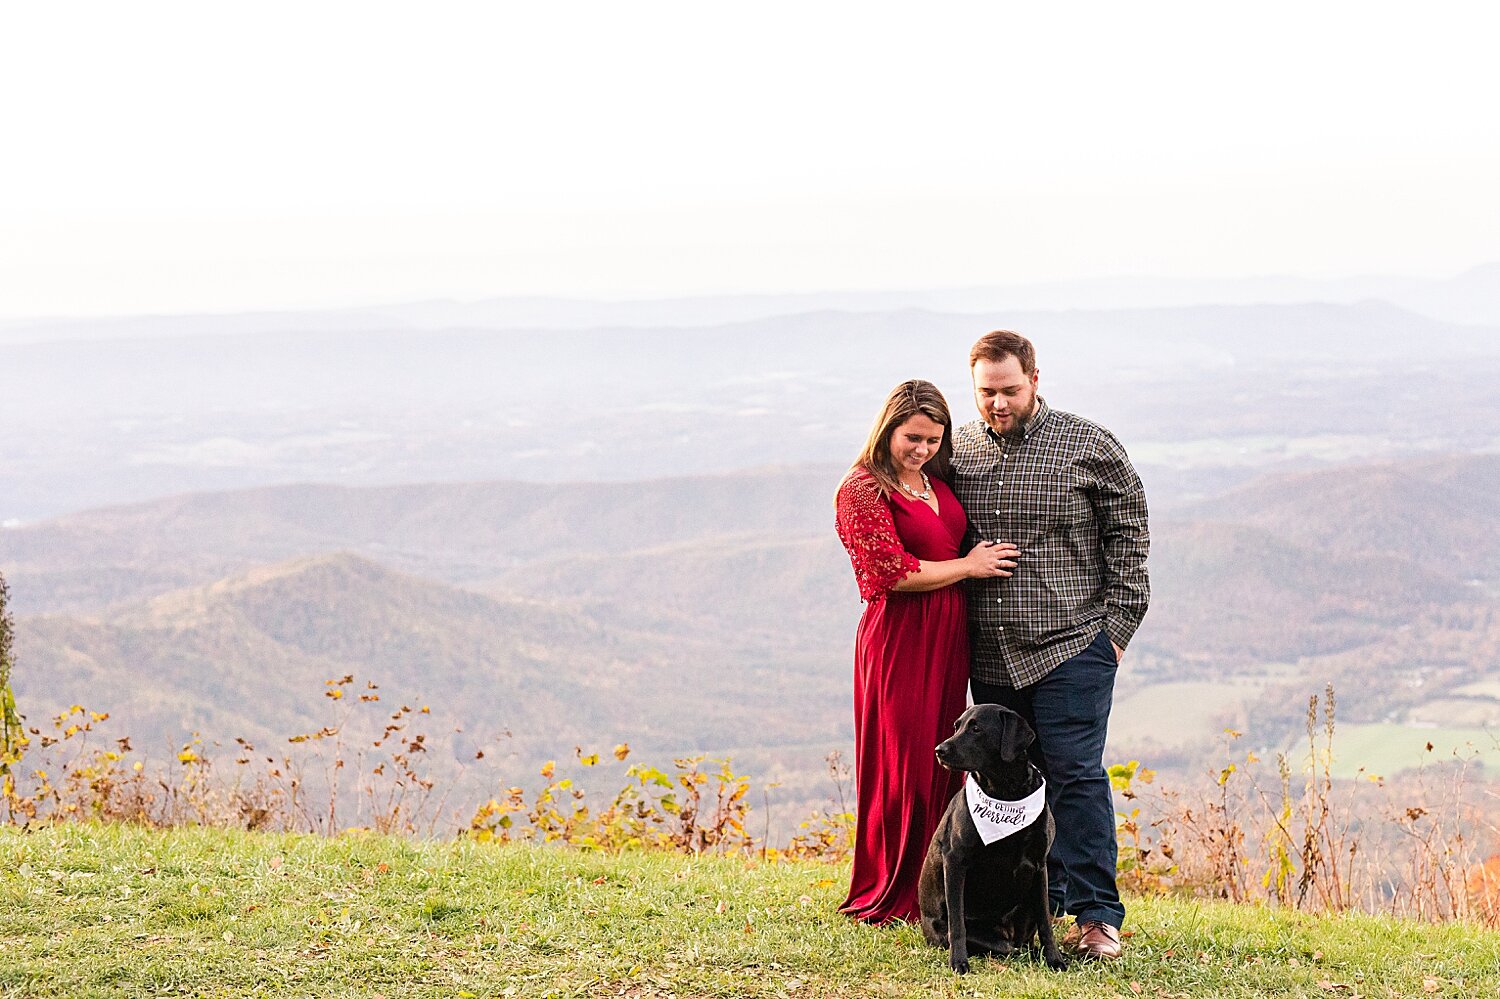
1018,421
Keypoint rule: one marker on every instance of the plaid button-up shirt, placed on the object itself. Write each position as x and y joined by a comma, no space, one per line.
1068,497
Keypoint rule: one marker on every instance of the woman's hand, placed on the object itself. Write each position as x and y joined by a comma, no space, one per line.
990,559
986,560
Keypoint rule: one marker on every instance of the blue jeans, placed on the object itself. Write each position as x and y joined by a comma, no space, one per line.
1069,711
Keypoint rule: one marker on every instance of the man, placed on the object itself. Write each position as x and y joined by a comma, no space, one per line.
1046,641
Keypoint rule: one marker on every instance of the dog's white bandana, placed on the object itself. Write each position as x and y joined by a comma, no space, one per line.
996,818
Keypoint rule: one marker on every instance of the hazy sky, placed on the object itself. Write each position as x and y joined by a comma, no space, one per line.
173,157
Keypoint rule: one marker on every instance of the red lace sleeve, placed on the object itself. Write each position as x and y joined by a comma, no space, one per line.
867,530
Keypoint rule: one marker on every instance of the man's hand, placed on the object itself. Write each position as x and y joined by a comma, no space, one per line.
1119,652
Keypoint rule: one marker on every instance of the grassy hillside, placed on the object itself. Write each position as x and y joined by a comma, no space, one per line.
117,911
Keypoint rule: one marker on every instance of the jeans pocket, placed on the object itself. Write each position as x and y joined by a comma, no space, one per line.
1104,646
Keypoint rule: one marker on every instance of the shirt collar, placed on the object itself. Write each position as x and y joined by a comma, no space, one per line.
1038,417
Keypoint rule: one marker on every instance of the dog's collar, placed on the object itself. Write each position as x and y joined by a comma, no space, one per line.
996,818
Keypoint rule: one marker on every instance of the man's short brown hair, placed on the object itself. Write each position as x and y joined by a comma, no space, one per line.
999,345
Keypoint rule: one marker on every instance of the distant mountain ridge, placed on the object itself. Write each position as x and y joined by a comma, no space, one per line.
1208,393
1472,296
463,532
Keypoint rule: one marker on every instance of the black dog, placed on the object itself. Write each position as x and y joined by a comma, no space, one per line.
978,898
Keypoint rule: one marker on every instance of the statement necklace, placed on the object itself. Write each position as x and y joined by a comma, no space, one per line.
925,494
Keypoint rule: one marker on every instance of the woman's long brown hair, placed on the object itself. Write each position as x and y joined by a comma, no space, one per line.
905,401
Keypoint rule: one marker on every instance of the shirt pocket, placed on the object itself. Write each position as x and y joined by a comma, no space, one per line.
971,472
1053,504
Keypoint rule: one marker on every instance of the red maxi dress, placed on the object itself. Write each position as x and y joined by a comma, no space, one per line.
911,673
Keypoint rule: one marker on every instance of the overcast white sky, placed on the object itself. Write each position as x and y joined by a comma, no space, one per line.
167,157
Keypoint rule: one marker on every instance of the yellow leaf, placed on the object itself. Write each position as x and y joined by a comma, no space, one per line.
622,750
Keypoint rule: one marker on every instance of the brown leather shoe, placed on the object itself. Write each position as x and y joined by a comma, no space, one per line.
1099,942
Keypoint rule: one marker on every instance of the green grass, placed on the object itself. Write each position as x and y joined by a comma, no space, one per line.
1389,748
110,911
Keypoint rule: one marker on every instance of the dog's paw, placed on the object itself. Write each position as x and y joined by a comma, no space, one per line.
960,965
1056,961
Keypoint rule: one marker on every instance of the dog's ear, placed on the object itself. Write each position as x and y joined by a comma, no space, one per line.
1015,737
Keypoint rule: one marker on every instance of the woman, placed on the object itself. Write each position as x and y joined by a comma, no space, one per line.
903,528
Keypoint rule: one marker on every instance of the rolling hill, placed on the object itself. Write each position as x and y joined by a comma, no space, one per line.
710,613
1440,514
249,656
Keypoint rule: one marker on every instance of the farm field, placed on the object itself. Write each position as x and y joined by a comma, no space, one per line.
1390,748
1179,714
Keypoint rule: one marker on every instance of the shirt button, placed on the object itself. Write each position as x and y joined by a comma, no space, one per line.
999,600
997,513
1001,630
